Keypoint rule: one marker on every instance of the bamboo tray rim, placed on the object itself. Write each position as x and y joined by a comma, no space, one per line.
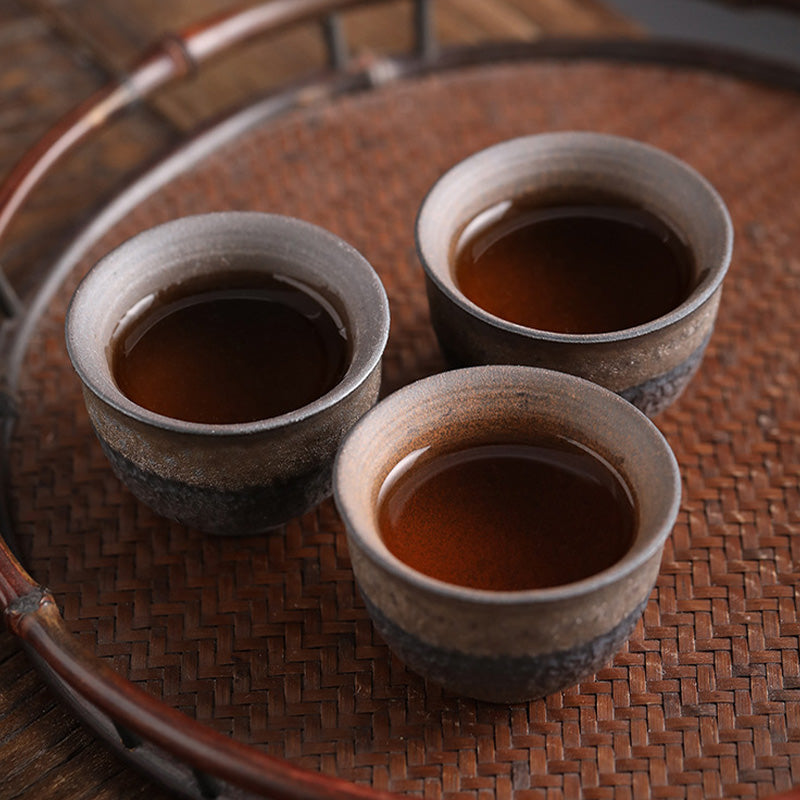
76,689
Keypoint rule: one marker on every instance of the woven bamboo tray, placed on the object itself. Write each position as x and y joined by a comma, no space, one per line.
265,638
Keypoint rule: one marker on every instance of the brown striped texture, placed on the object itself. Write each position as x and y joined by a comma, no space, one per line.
266,639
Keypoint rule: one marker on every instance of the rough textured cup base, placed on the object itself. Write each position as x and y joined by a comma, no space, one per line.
250,510
503,679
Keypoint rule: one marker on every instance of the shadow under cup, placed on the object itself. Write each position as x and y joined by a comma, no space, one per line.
649,364
505,646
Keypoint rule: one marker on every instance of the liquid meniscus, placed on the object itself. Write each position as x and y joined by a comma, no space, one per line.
251,348
573,267
507,516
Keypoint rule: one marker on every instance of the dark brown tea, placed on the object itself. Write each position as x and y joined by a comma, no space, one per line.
507,516
575,266
256,347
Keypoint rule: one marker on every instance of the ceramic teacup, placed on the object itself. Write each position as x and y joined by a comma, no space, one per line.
228,478
505,646
649,363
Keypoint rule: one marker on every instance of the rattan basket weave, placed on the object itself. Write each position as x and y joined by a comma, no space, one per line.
265,638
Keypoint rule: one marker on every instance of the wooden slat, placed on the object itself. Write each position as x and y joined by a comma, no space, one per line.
45,752
116,31
576,18
471,21
41,78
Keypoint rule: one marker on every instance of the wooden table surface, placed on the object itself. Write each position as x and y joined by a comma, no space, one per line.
54,53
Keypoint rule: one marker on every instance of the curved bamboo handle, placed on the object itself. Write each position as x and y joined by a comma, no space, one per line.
29,610
197,744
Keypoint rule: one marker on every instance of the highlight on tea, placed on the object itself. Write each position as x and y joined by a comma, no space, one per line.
229,349
583,264
507,515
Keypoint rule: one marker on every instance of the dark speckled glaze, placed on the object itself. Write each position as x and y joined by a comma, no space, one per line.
505,679
649,364
236,478
505,646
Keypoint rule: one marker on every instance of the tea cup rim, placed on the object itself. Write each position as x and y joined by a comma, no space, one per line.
372,542
359,367
579,139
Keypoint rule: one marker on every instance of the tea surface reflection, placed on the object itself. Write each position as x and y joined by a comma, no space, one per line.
240,348
576,266
507,515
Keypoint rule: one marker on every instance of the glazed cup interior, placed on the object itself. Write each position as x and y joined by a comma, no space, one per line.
577,161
